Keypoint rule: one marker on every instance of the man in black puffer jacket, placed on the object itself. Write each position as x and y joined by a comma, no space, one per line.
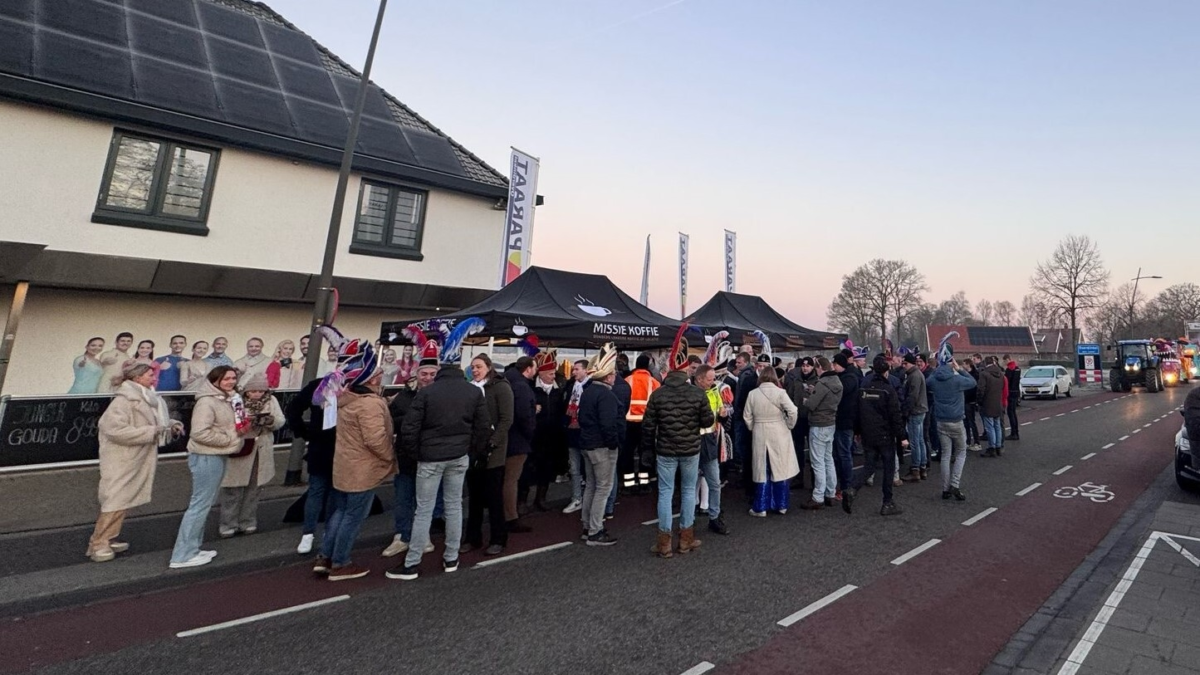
520,436
880,427
675,416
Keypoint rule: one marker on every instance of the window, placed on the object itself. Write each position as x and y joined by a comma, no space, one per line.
157,184
390,221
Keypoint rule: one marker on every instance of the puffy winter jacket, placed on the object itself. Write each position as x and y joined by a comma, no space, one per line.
447,420
822,404
365,456
991,391
847,412
498,397
915,401
879,421
524,416
675,416
947,387
600,418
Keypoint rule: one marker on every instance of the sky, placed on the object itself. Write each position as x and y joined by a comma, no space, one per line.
964,137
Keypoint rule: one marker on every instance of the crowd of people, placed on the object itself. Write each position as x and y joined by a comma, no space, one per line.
699,424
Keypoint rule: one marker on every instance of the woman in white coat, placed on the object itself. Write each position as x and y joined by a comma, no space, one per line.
130,431
245,475
770,414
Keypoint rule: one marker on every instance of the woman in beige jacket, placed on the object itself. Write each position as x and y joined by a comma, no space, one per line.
219,424
245,476
771,414
131,430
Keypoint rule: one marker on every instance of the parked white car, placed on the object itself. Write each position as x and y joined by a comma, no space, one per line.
1046,381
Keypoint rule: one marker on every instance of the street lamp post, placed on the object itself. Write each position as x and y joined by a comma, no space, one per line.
1133,298
323,308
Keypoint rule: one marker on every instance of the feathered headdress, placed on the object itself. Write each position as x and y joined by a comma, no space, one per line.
860,352
426,350
465,328
528,344
905,351
945,353
888,349
604,362
678,357
766,356
347,348
357,363
546,361
716,345
847,345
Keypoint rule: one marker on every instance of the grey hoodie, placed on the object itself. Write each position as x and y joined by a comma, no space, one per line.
823,403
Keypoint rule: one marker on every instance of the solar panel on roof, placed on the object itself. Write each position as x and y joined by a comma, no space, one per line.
241,63
383,139
290,43
175,88
254,107
230,23
17,9
319,123
998,336
93,20
16,48
434,152
182,12
166,40
87,65
311,82
376,106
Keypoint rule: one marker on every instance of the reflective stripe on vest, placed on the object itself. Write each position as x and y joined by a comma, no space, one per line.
641,385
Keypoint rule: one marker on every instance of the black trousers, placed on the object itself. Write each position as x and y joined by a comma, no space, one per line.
1013,425
486,490
872,454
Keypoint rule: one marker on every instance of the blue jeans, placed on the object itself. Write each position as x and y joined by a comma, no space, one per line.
843,457
916,440
448,476
820,454
689,473
575,467
711,470
350,509
316,501
207,472
406,504
991,426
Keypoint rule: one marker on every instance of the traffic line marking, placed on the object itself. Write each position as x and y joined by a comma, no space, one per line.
1043,419
673,517
1086,407
1025,424
1063,470
1060,414
259,617
1108,446
1088,456
1136,431
1147,424
916,551
1075,410
980,516
1029,489
699,668
524,554
827,600
1122,438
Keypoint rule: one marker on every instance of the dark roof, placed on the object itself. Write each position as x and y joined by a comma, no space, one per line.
742,314
564,309
228,70
985,339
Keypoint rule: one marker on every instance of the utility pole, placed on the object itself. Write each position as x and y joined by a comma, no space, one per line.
1133,299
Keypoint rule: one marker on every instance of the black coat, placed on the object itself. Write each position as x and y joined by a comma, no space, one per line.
1014,383
624,394
398,407
320,441
549,435
446,420
600,418
747,380
520,434
675,414
879,421
847,412
1191,418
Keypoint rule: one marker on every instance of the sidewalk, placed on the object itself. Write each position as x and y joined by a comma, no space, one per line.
1133,608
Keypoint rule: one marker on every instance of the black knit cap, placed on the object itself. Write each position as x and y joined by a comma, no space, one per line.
841,360
910,358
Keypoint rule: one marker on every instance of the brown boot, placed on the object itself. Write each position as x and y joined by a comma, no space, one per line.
662,545
688,541
913,476
924,473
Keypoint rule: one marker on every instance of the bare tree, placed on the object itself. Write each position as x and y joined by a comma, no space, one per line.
1006,312
1166,314
887,289
853,310
1073,280
1110,321
956,309
985,311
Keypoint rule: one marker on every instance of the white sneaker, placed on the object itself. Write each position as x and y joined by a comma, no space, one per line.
306,544
196,561
429,547
562,478
574,506
208,554
395,548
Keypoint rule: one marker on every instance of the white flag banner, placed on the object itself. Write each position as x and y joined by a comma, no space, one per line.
683,273
645,297
518,222
730,261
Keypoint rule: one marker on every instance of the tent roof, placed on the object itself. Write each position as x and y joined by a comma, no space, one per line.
743,314
564,309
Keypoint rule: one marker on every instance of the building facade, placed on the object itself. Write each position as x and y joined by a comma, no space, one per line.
169,168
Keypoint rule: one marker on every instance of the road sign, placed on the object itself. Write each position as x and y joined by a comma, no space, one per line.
1089,362
1087,348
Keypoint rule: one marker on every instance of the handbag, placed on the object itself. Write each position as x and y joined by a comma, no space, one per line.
247,447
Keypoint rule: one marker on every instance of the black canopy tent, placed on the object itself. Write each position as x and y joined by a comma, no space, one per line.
564,309
741,315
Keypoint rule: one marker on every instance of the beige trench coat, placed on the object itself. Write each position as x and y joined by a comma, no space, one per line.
770,414
238,469
128,434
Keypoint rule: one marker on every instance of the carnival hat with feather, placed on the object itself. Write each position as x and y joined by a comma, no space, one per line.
719,350
454,335
766,355
945,353
677,359
426,349
604,363
357,363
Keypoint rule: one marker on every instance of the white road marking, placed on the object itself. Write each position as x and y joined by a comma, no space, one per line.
1108,446
1180,550
1025,424
1146,425
1060,414
1063,470
827,600
980,516
1029,489
1086,407
523,554
699,668
652,522
259,617
1088,456
1136,431
1075,410
1122,438
916,551
1043,419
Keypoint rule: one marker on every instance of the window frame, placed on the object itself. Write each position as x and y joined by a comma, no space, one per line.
386,250
155,219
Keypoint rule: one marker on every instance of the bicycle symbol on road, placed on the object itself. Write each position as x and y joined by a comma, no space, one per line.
1097,493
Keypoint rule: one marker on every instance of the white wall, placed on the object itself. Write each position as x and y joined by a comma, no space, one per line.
267,212
57,324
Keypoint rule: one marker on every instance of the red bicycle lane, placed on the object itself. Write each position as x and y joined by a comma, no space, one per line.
950,609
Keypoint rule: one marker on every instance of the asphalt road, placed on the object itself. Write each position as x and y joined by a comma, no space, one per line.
618,610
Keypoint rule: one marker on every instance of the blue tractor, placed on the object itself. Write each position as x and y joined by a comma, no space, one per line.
1137,364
